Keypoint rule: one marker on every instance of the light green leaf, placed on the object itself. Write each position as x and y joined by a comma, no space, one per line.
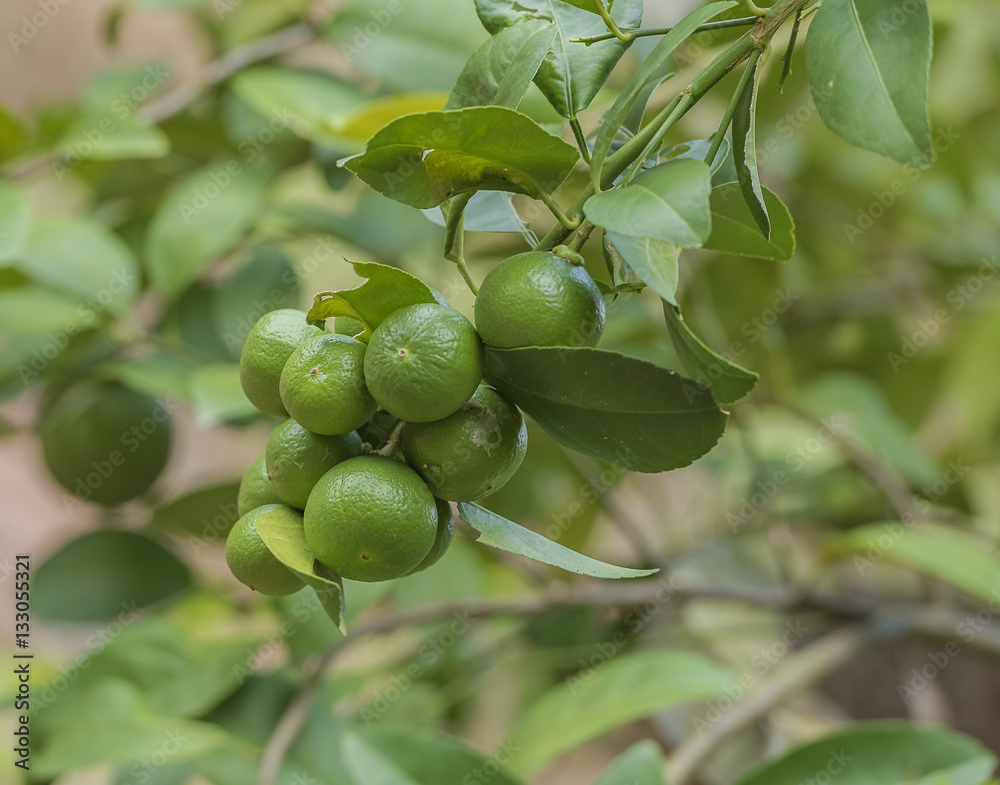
500,71
369,766
30,310
423,159
217,394
882,753
728,381
352,129
572,73
486,211
15,221
735,230
955,556
640,764
207,513
201,218
745,152
698,149
668,202
601,403
629,687
498,532
101,137
654,261
868,63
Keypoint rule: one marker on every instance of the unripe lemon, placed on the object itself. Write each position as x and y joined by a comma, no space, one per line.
443,538
297,458
256,489
268,346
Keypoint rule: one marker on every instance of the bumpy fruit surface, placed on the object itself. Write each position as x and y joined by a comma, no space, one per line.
539,299
423,362
269,344
251,561
296,458
471,453
256,489
371,519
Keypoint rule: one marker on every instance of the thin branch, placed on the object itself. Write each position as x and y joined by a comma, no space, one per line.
631,34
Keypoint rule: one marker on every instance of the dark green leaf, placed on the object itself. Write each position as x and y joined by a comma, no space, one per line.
500,71
654,261
423,159
627,688
15,221
498,532
208,513
386,290
868,63
745,152
97,575
882,753
669,203
735,230
572,73
640,764
601,403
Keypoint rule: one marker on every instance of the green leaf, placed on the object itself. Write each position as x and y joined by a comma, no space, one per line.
386,290
217,394
698,149
13,133
84,260
745,152
640,764
651,66
369,766
627,688
571,74
882,753
601,403
498,532
15,221
98,575
486,211
199,219
423,159
735,230
500,71
208,513
287,541
30,310
868,64
654,261
728,381
101,137
352,129
958,557
668,202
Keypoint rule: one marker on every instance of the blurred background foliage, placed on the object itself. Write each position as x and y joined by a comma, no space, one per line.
143,229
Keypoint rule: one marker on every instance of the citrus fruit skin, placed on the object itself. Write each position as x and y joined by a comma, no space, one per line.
471,453
268,346
256,489
371,519
423,362
104,442
296,458
345,325
539,299
445,534
323,385
250,560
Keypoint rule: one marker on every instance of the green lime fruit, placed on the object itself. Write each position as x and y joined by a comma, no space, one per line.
345,325
471,453
423,362
539,299
371,519
251,561
323,385
256,489
443,538
268,346
296,458
104,442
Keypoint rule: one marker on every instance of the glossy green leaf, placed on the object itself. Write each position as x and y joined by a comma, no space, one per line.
601,403
85,260
868,63
497,532
98,575
217,394
952,555
654,261
207,513
287,541
651,66
627,688
882,753
572,73
423,159
728,381
735,230
500,71
15,221
745,152
669,202
199,219
640,764
386,290
103,137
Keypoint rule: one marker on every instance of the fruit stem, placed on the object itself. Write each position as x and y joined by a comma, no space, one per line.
391,447
457,255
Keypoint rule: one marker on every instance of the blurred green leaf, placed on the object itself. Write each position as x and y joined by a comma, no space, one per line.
158,373
99,137
217,394
99,574
745,152
640,764
15,221
627,688
355,127
368,765
13,133
735,230
208,513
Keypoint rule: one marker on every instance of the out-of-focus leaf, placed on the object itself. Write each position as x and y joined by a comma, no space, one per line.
103,137
217,394
15,221
640,764
354,128
208,513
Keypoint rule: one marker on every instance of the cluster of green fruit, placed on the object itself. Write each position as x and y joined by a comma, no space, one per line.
382,433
